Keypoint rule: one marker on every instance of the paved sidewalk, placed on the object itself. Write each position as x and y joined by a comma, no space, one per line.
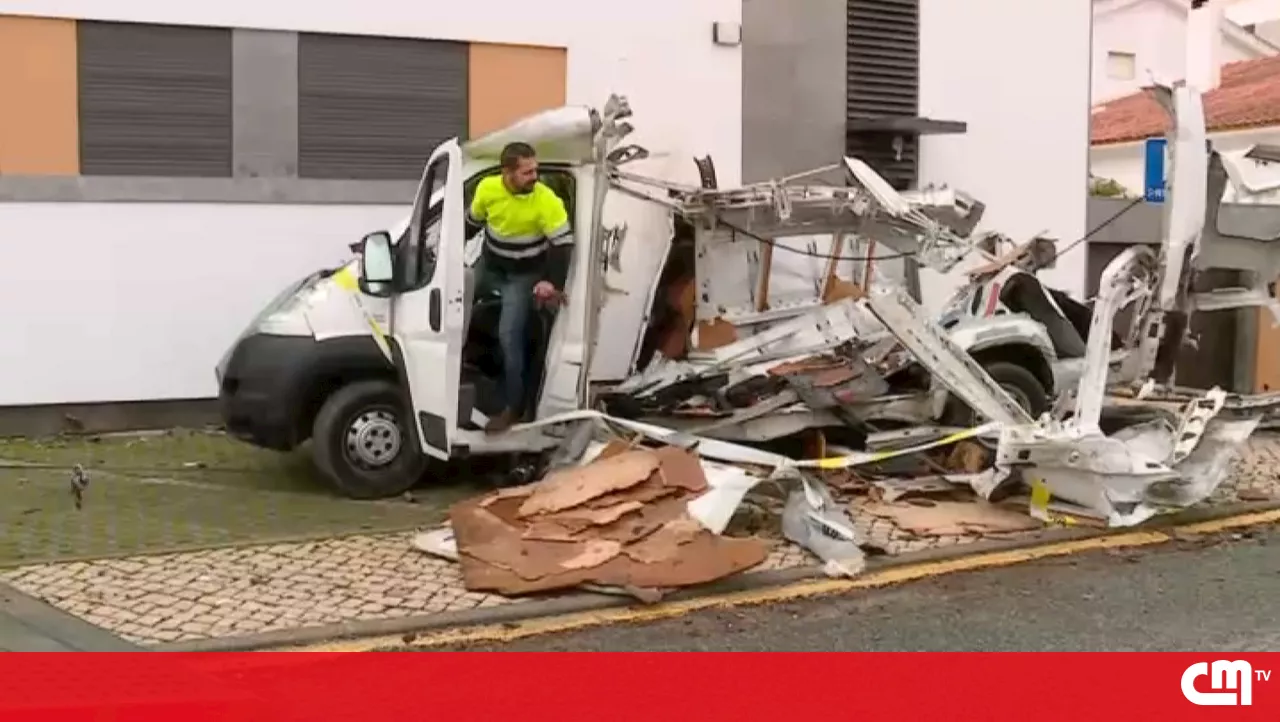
235,592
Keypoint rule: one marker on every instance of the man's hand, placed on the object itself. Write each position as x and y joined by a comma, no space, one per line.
547,294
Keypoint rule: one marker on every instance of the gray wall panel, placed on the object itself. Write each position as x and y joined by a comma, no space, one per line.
155,100
265,102
793,86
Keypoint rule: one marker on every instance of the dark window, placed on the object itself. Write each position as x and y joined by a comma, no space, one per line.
155,100
419,255
373,108
884,80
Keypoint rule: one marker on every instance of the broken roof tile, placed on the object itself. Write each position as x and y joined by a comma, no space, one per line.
1248,96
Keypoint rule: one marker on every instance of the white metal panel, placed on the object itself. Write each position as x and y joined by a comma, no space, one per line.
631,284
428,322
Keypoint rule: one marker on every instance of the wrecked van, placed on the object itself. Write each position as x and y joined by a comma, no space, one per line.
684,302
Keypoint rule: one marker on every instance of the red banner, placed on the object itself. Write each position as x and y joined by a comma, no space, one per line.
619,687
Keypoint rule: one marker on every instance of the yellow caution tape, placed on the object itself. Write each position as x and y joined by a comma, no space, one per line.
871,457
1040,497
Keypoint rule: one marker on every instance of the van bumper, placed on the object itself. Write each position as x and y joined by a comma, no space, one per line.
270,387
258,389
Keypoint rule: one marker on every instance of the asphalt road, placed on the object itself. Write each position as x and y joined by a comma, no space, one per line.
1204,594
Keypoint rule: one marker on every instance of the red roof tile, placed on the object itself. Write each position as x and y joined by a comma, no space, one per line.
1247,97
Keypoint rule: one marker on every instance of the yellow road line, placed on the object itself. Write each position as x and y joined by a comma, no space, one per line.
772,595
1232,522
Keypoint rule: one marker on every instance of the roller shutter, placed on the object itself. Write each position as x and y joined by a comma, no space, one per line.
883,83
155,100
373,108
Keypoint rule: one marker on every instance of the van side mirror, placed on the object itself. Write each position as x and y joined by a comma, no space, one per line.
377,262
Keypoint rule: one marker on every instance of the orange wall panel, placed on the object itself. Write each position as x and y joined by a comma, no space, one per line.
39,126
1266,371
508,82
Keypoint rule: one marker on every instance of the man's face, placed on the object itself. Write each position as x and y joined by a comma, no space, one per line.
521,178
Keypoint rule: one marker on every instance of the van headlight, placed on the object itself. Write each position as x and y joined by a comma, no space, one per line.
288,319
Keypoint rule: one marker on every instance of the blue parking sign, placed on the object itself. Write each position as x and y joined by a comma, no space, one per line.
1153,175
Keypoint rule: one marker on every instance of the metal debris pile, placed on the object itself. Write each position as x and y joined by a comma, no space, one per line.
934,442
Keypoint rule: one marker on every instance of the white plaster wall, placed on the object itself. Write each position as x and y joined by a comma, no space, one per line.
1152,31
1026,102
1269,31
134,301
144,298
1155,32
1125,162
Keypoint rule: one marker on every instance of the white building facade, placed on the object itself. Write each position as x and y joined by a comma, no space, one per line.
178,164
1136,40
278,134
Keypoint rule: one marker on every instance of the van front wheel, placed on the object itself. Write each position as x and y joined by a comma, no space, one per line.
1022,385
361,443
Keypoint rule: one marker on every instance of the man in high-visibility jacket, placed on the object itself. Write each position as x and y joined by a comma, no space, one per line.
527,247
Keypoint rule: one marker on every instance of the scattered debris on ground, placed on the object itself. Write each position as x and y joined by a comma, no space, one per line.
1013,408
621,521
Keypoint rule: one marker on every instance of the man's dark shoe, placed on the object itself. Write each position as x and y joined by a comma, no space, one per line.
501,422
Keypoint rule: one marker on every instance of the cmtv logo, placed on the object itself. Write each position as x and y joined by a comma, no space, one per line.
1223,675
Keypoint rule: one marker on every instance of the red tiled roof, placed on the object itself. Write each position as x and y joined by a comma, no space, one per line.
1248,96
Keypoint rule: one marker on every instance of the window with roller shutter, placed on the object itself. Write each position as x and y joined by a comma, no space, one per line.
372,108
154,100
884,81
883,57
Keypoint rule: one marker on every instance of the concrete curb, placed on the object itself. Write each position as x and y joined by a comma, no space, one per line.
28,624
578,602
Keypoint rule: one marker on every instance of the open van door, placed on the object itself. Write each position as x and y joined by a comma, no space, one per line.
427,315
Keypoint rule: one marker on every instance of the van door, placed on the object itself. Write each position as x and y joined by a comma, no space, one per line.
427,314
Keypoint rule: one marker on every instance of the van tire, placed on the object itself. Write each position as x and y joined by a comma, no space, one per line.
1021,384
351,422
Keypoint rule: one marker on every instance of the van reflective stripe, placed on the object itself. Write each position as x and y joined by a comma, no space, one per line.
346,280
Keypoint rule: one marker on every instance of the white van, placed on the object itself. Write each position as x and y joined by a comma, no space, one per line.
331,358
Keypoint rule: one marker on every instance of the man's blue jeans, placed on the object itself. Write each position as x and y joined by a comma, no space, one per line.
516,290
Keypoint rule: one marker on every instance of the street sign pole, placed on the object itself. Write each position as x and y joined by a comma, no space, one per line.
1154,170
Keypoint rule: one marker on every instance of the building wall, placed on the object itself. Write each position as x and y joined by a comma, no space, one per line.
793,57
1154,32
1269,31
1125,162
165,270
1026,102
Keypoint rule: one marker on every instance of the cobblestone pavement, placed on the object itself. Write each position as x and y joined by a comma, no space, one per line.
232,592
